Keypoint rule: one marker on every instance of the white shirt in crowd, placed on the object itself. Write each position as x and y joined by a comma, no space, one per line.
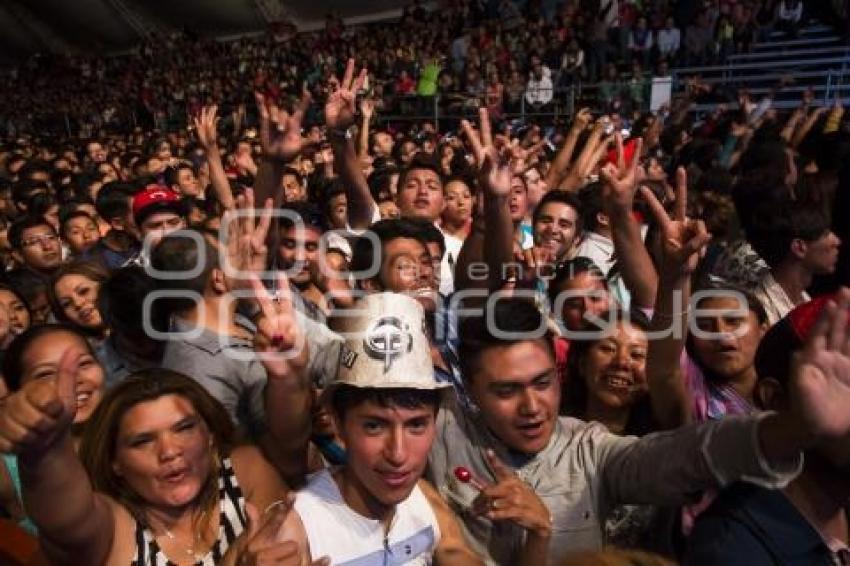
669,40
774,299
447,266
335,530
540,91
787,13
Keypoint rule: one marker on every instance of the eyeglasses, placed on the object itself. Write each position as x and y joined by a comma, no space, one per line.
37,240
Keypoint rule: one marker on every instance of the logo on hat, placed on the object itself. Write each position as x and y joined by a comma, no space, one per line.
387,339
347,357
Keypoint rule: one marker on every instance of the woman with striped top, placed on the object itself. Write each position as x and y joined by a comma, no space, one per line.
158,483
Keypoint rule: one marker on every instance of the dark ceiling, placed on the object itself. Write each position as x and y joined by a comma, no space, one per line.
103,26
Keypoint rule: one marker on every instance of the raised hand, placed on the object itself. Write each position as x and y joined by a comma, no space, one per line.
245,161
367,108
341,106
683,239
206,126
494,168
278,340
40,414
620,182
582,167
582,119
820,374
481,140
263,542
245,242
511,499
280,131
539,262
521,157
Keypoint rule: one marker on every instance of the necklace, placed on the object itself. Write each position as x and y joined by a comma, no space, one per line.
189,550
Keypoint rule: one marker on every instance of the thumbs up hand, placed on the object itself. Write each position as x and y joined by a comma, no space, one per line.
36,417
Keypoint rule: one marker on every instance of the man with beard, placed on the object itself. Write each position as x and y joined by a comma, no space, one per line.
301,230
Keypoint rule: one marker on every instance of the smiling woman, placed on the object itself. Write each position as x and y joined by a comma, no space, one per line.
606,378
73,293
34,355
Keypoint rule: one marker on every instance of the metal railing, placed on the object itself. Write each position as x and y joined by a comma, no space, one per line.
452,107
836,50
772,45
449,108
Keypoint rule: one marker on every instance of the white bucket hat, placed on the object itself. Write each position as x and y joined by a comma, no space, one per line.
385,345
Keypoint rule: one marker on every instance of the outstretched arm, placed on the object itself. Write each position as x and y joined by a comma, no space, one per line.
664,468
289,396
280,138
339,117
206,125
619,186
75,524
558,169
803,130
593,150
367,109
683,240
495,181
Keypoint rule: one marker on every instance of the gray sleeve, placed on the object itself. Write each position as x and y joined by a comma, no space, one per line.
674,467
211,374
324,350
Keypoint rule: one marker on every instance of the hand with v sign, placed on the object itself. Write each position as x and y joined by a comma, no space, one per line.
278,340
266,541
341,106
280,131
683,239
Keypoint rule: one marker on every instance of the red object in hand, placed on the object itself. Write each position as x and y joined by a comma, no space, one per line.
465,476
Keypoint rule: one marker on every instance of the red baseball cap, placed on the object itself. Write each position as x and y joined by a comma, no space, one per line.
628,152
774,353
155,198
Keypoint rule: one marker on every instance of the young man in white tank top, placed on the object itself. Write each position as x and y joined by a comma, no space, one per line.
375,509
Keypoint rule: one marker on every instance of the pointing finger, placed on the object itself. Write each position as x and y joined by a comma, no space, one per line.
500,470
655,206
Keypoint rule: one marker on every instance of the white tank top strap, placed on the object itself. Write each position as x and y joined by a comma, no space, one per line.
349,539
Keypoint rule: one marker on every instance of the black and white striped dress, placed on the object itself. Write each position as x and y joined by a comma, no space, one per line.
232,522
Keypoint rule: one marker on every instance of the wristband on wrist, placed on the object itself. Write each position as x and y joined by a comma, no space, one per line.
339,133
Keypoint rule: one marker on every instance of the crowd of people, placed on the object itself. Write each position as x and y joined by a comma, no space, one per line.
470,53
293,335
